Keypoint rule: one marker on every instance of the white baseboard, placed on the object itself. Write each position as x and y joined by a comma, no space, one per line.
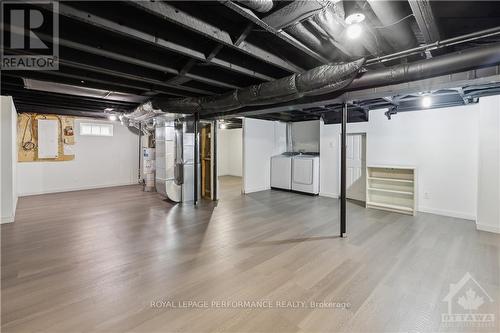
7,219
256,189
328,195
449,213
488,228
76,188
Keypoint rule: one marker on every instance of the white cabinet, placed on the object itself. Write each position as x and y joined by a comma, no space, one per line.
391,188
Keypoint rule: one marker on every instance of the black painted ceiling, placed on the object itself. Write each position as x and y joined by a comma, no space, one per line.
139,49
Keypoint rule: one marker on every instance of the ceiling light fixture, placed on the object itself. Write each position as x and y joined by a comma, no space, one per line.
353,31
108,109
222,126
112,117
353,18
426,101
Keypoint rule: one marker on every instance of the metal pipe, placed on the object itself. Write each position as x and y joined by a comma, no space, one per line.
343,171
482,56
437,45
304,35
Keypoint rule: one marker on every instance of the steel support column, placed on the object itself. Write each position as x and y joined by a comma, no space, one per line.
343,171
196,157
214,163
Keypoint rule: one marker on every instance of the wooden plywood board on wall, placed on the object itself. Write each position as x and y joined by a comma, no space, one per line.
27,137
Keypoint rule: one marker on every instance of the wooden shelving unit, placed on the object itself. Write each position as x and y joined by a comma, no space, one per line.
391,188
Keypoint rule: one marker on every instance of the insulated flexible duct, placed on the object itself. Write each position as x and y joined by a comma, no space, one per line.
319,80
311,32
261,6
477,57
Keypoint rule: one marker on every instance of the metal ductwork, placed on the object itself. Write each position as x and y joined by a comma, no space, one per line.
143,114
477,57
395,28
311,39
319,80
261,6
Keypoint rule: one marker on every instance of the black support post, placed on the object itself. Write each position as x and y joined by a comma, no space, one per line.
196,157
343,171
214,157
139,180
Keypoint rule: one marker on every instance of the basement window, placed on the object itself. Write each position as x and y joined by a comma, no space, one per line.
95,129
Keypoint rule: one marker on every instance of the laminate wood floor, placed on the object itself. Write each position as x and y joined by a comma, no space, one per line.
96,260
230,187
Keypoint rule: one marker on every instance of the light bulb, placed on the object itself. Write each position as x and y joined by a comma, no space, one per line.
354,31
112,117
426,101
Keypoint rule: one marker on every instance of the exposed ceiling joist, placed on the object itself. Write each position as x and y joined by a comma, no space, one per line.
425,19
127,59
133,74
249,15
154,40
175,91
76,80
28,91
139,62
187,21
21,107
111,84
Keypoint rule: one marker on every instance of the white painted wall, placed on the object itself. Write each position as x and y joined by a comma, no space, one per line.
305,136
8,159
441,143
99,162
230,152
261,140
488,200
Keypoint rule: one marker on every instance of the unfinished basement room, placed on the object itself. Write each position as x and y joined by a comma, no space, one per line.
250,166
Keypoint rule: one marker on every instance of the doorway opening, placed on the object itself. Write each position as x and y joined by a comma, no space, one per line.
230,158
356,167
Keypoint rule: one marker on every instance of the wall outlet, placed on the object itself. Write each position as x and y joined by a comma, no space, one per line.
427,195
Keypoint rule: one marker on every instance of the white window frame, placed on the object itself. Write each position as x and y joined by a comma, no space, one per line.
98,129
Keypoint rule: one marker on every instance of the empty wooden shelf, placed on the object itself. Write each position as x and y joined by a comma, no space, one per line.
391,188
